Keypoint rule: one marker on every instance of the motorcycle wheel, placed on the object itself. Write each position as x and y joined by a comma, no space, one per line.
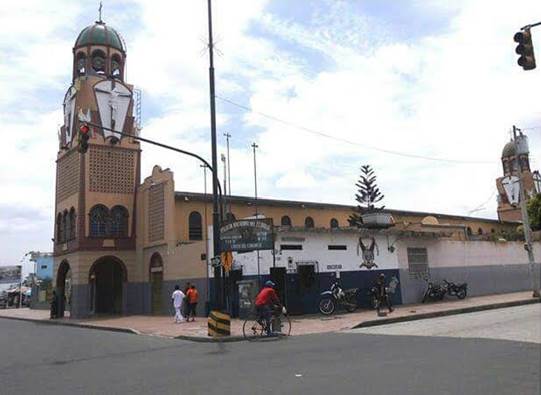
441,295
350,306
326,306
461,294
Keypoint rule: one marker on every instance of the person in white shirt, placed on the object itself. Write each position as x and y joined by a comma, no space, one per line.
177,298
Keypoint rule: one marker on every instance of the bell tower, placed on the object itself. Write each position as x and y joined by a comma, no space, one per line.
515,162
94,238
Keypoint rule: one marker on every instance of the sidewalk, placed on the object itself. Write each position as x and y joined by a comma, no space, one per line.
301,325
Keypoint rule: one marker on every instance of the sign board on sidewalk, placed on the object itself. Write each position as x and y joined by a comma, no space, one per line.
10,274
247,235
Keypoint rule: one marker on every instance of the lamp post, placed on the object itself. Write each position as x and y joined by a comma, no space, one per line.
254,147
218,272
205,167
227,137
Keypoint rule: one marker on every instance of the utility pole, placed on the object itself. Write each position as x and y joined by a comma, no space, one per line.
205,167
219,294
228,136
224,202
525,219
254,146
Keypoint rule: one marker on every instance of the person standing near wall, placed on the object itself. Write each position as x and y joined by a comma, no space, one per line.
186,305
192,297
177,297
383,294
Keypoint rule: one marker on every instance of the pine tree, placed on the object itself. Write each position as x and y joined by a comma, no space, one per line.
368,194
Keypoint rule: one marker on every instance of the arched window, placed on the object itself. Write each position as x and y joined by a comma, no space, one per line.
66,225
309,222
492,230
116,66
119,221
99,221
334,223
285,221
469,231
72,226
195,227
98,61
479,231
81,63
59,229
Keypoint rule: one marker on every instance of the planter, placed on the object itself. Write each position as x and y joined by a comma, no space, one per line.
377,220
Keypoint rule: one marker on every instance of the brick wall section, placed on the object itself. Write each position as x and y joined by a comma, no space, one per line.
156,220
111,170
67,175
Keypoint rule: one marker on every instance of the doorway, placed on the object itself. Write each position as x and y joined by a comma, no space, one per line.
63,288
107,277
156,283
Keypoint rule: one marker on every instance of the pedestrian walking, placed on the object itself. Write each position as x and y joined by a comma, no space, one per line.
177,297
192,297
186,304
383,294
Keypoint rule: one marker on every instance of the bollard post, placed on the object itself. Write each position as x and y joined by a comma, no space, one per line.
219,324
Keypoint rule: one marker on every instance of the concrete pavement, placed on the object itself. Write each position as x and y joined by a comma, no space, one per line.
301,325
522,323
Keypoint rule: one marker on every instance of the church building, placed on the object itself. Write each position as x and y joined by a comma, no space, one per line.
121,242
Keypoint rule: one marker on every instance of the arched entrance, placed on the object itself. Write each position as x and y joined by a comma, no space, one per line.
63,288
156,281
107,278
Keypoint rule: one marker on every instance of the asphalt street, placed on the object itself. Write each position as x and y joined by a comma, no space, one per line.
64,360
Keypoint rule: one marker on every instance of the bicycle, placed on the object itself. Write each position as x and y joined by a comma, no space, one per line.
255,328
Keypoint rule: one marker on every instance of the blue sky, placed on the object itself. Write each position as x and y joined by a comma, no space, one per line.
430,78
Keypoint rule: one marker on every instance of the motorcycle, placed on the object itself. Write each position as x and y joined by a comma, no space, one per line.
374,299
337,296
434,292
458,290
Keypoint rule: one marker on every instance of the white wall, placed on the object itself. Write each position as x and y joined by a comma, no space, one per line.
315,249
450,253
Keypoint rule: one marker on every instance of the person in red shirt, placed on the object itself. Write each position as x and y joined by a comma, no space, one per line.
265,301
192,297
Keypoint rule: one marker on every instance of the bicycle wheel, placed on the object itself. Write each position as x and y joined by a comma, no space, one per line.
252,329
285,326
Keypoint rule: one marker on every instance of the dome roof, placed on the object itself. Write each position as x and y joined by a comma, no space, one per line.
100,34
508,149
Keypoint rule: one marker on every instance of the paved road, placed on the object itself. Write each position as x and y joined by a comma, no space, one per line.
38,358
521,323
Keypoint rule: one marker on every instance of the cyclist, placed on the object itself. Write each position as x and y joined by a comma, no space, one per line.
265,301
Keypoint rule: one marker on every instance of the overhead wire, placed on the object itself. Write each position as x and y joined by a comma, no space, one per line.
350,142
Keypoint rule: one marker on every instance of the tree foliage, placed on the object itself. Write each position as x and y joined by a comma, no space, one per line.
534,212
368,194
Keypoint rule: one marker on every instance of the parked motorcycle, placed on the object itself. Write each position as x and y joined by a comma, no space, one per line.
434,292
374,300
337,296
458,290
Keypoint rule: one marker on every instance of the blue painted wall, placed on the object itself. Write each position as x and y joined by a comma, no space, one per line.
44,267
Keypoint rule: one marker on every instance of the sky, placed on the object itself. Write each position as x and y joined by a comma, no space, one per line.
423,91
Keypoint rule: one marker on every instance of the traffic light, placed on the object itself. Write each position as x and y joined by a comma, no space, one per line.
525,49
84,135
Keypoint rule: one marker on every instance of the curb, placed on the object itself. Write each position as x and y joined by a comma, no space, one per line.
200,339
435,314
76,325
